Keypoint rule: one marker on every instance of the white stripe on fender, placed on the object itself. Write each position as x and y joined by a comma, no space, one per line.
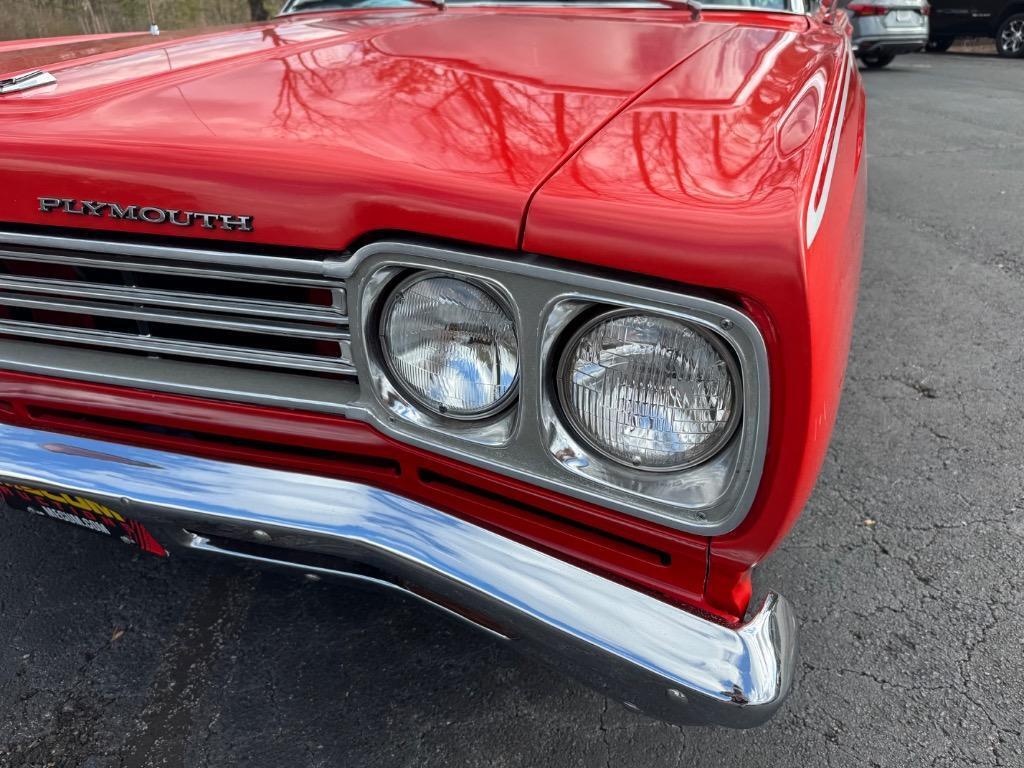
830,150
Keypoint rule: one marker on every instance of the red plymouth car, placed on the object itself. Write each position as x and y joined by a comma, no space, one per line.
536,311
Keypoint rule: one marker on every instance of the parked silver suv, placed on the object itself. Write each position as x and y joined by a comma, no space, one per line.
884,28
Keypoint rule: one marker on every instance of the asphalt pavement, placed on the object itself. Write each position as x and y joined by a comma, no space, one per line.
906,569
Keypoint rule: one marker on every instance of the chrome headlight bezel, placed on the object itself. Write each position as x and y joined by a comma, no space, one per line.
582,432
530,439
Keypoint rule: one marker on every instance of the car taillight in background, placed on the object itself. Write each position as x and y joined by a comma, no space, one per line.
868,9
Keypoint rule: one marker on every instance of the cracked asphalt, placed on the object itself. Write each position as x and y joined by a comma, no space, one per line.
906,568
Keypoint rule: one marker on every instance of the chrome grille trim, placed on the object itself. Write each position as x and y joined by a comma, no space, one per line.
208,352
177,299
163,267
173,317
250,260
238,309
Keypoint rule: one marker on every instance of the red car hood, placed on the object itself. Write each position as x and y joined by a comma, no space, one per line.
328,128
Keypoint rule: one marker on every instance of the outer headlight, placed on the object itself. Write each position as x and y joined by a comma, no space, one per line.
648,391
451,344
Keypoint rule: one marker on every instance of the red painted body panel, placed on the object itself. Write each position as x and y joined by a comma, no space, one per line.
689,181
398,120
637,140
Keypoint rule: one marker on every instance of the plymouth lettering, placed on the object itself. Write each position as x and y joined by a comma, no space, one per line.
146,213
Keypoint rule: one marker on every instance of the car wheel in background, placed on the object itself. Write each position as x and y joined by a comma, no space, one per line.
877,60
1010,37
939,44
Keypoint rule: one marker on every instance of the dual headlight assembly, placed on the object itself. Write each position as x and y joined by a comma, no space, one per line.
627,394
648,392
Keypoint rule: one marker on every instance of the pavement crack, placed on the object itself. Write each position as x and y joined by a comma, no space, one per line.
603,727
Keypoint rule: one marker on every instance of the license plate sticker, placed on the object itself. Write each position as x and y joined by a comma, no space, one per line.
82,512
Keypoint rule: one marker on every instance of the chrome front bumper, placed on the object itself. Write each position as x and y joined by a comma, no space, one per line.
656,658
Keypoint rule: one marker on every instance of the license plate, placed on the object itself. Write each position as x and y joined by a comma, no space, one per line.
81,512
906,17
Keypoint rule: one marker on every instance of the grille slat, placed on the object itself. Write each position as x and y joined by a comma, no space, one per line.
164,267
257,261
196,301
241,310
214,352
173,317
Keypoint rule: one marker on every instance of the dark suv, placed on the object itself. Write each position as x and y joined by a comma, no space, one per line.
1001,19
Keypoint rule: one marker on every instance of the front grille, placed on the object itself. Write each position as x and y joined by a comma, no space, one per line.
246,310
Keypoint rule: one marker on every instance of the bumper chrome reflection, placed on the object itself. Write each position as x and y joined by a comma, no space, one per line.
657,658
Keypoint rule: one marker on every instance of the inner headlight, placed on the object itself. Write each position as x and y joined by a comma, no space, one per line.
651,392
451,344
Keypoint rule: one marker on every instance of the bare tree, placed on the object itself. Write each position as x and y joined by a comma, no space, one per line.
90,21
258,11
54,18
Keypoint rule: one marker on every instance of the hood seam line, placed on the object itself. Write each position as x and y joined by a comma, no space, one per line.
587,136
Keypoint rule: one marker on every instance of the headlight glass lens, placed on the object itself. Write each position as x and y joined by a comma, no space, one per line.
651,392
451,343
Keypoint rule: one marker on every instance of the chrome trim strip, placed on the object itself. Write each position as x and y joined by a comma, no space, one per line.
175,299
162,267
797,8
28,80
236,259
903,40
627,4
209,380
175,317
658,658
157,345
